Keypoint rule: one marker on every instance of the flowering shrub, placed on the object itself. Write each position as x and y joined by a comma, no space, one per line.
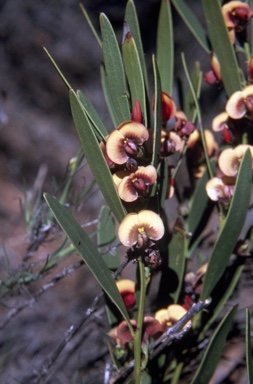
135,164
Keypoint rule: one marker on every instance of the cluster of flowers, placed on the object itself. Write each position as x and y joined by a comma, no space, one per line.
153,326
128,151
237,118
236,16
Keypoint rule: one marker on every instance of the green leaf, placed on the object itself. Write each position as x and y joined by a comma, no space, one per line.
114,73
231,229
249,363
88,252
107,95
176,259
192,23
97,123
189,107
165,47
198,202
58,69
222,46
213,352
157,115
95,157
134,73
132,20
90,24
162,187
227,291
106,236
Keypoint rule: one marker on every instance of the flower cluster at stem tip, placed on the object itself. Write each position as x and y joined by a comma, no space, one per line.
235,123
128,152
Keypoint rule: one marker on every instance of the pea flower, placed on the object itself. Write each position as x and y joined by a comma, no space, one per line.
170,143
170,315
151,328
183,127
126,288
236,15
240,103
126,142
221,123
221,189
133,185
141,228
230,159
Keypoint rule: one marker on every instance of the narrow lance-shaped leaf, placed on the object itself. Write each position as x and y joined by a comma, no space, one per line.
157,115
132,20
106,236
107,95
134,71
198,202
214,350
165,47
95,157
231,229
222,46
226,294
114,71
99,126
189,107
192,23
88,252
176,259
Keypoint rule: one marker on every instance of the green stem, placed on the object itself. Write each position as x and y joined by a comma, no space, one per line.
180,160
138,333
199,117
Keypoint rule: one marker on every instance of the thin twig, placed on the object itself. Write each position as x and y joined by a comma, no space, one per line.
73,330
15,311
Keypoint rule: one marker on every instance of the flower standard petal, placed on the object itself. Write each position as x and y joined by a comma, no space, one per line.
152,327
152,224
236,107
241,149
127,191
229,162
119,176
146,223
214,188
115,148
136,184
128,230
220,122
175,312
135,131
